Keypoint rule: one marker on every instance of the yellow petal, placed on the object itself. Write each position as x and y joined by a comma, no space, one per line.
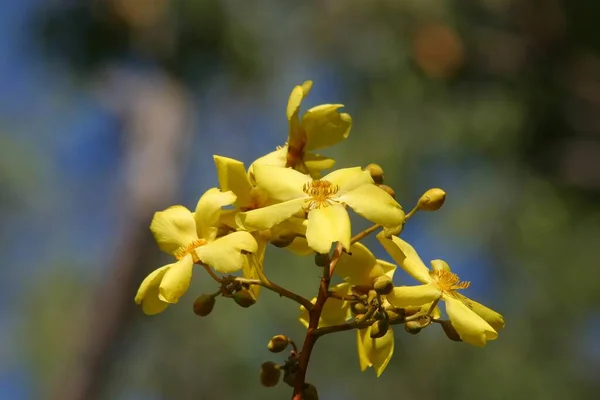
336,311
225,253
173,228
440,265
147,294
356,265
471,327
348,178
280,184
405,256
304,315
267,217
277,158
405,296
493,318
176,280
298,94
374,204
253,262
388,268
325,126
316,163
232,176
327,225
375,353
208,212
300,247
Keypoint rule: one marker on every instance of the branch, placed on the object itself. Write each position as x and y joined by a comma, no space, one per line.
279,290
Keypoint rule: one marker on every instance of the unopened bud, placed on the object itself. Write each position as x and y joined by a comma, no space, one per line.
383,284
269,374
309,392
376,173
413,327
322,260
432,200
388,190
358,308
278,343
395,313
282,241
379,329
204,305
244,298
450,331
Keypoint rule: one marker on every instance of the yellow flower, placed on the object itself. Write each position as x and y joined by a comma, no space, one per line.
475,323
321,126
191,238
359,267
335,311
375,353
324,200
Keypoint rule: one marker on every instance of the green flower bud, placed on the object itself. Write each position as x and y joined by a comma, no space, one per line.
388,190
383,284
269,374
358,308
450,331
204,305
379,328
413,327
322,260
309,392
244,298
376,173
278,343
432,200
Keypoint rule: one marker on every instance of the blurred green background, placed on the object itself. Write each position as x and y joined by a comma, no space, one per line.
112,109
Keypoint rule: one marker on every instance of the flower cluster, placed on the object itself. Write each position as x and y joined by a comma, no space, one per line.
284,199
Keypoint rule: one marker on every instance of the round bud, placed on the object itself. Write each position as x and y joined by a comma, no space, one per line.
322,260
379,329
269,374
388,190
204,305
282,241
358,308
244,298
413,327
450,331
376,172
432,200
278,343
383,284
309,392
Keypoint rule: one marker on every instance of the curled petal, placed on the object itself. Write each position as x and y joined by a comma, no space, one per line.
280,184
493,318
173,228
406,256
374,204
356,265
232,176
298,94
208,212
348,178
471,327
147,294
327,225
375,353
388,268
176,280
267,217
225,254
325,126
405,296
315,164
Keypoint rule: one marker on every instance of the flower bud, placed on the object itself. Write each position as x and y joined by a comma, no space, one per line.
379,329
432,200
394,313
282,241
244,298
269,374
388,190
383,284
322,260
413,327
450,331
358,308
278,343
309,392
204,305
376,173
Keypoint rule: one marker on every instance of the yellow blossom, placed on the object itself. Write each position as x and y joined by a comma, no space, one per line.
321,126
375,353
359,267
191,238
335,311
475,323
324,201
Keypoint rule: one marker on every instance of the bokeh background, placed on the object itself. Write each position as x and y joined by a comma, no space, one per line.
112,109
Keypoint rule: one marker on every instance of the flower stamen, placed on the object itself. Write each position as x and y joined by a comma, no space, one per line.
185,250
448,281
321,192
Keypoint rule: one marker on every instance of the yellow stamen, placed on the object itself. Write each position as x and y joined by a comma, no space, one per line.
185,250
321,192
447,281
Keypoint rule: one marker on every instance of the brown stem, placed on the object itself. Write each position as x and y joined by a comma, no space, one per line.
313,325
211,273
279,290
